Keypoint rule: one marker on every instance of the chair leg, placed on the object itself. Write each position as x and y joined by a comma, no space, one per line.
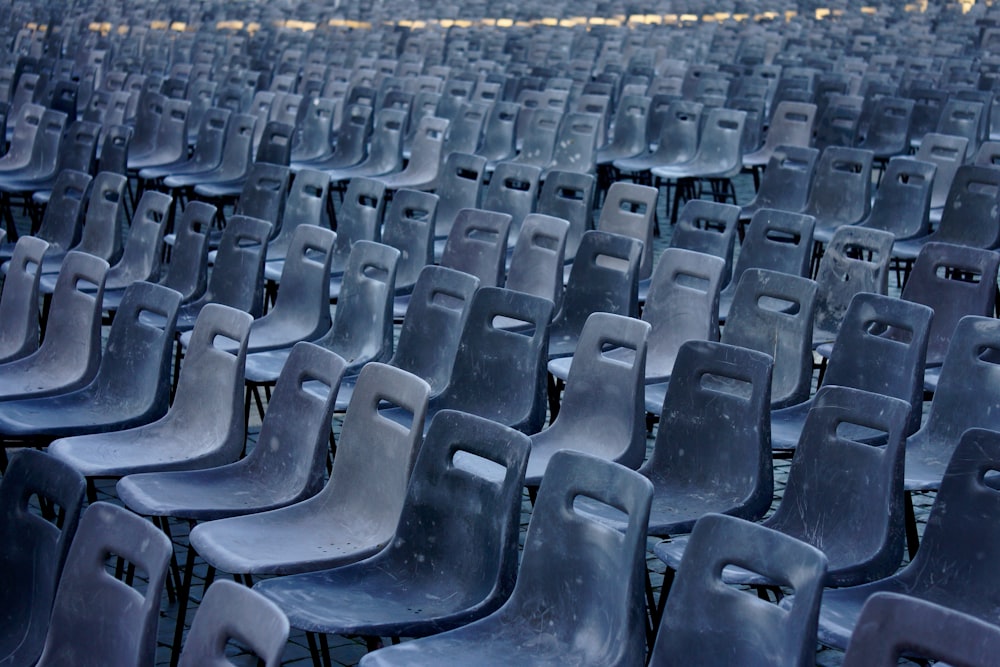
555,388
183,596
313,649
910,518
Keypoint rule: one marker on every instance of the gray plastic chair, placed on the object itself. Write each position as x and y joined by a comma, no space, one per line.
841,190
536,264
207,153
269,477
409,228
424,167
230,612
477,245
70,353
33,548
575,149
359,218
513,190
710,228
630,210
19,328
356,513
948,153
453,557
430,333
602,408
892,625
305,204
629,138
204,426
499,132
883,352
237,155
587,577
791,124
61,223
570,196
537,132
459,187
786,182
954,565
187,267
351,136
98,619
706,622
385,152
676,142
131,386
104,223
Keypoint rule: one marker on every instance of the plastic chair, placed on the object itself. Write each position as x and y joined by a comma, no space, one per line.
269,477
564,551
233,612
204,426
33,548
575,149
786,181
409,227
961,118
841,189
70,353
856,260
62,221
536,136
629,138
888,132
103,224
710,228
355,514
791,124
477,245
536,264
424,167
170,143
676,142
237,155
892,625
97,619
459,186
19,329
902,201
499,132
602,408
837,124
884,347
513,190
187,268
385,152
314,133
305,203
604,278
238,277
710,623
943,570
630,210
351,135
359,218
130,388
430,333
570,196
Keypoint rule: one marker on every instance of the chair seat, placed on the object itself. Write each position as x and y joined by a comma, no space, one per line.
76,413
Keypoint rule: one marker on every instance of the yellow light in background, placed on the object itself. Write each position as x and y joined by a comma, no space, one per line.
869,10
158,25
822,13
688,18
178,26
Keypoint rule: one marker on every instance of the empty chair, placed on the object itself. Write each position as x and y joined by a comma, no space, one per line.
291,470
576,143
351,141
786,182
385,153
131,386
592,599
499,132
359,218
513,190
19,330
962,118
902,201
629,138
355,514
536,264
477,245
187,269
954,532
604,278
204,426
96,618
710,228
892,625
237,155
459,187
676,142
706,622
537,134
791,124
104,223
233,612
884,347
887,133
70,353
305,204
62,221
841,189
630,210
570,196
602,410
33,548
409,228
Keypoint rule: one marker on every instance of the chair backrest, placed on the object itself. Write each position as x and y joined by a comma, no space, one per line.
500,374
499,131
710,228
33,547
631,119
231,612
385,151
362,325
679,133
314,129
78,150
431,331
791,124
305,204
971,215
170,143
955,281
839,121
459,185
115,143
237,147
773,313
147,122
841,188
298,420
855,260
888,132
303,299
466,128
710,622
141,257
576,143
881,348
601,566
961,118
63,218
187,270
537,134
425,152
461,513
569,195
352,136
892,625
536,265
238,277
105,218
602,410
843,496
630,209
19,330
409,227
477,244
788,178
264,193
778,241
903,199
682,305
119,626
275,145
715,428
359,218
513,190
